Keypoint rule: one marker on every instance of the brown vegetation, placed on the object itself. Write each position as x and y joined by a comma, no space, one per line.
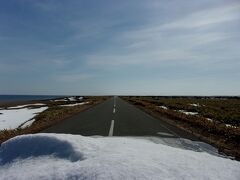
215,131
54,114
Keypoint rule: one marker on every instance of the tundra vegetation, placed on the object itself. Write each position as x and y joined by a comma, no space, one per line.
215,120
57,111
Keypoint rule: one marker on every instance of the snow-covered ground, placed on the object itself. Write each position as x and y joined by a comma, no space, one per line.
195,105
163,107
73,98
27,123
75,104
230,126
26,105
59,100
188,113
61,156
22,115
209,119
227,125
13,118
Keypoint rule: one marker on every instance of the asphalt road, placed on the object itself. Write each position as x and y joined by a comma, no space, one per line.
116,117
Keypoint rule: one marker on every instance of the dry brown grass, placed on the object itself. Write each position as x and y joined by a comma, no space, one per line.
226,139
53,115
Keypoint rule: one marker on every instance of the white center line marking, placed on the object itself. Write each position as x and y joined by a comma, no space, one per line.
114,110
111,129
114,101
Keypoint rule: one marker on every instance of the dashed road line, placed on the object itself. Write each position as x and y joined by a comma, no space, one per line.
111,129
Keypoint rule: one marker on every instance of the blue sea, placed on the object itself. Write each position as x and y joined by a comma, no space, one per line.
12,98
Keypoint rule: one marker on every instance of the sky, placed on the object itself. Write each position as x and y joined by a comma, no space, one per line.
112,47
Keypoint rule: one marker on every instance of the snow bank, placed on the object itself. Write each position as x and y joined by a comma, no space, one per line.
76,104
59,156
37,146
13,118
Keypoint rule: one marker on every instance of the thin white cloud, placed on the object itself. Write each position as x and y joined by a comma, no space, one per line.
96,49
158,49
154,43
207,18
152,58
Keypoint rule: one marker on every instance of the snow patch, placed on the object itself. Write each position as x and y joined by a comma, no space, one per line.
188,113
61,156
230,126
60,100
13,118
195,105
73,98
27,123
76,104
26,105
80,98
163,107
209,119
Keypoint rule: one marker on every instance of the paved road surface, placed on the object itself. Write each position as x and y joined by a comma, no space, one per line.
116,117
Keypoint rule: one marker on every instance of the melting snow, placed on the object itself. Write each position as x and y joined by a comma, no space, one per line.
27,123
13,118
195,105
26,105
188,113
73,98
209,119
230,126
163,107
60,100
61,156
76,104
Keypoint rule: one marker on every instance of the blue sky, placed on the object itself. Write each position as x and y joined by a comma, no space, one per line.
138,47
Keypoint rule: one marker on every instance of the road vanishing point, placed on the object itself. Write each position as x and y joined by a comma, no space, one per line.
116,117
